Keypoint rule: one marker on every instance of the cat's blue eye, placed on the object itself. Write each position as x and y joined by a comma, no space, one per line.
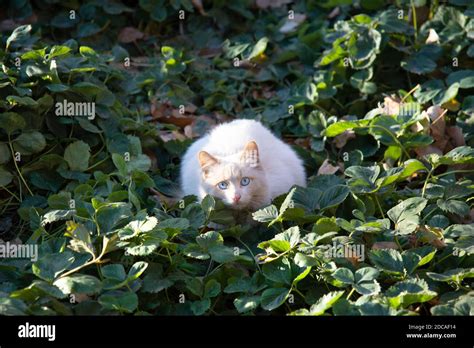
222,185
245,181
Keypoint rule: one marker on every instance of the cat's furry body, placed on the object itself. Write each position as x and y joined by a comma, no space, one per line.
236,153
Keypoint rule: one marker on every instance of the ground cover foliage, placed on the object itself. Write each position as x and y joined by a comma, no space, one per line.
375,96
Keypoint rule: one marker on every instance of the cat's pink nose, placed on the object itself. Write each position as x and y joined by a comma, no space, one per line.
237,197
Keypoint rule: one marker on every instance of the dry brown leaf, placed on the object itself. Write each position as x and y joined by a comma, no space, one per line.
210,52
290,25
455,133
152,156
171,135
391,105
169,201
423,151
302,142
327,168
198,4
80,297
334,13
8,25
130,34
263,4
438,123
384,245
341,140
432,37
200,125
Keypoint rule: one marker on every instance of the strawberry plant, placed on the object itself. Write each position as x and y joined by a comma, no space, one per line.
99,101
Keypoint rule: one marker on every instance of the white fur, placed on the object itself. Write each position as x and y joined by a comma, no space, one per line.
281,166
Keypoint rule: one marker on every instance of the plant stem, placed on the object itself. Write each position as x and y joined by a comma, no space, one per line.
11,193
454,171
378,204
410,92
415,25
16,165
426,182
250,251
398,243
350,294
393,137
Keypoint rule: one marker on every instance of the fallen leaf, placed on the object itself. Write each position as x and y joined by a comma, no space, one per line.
391,105
423,151
455,133
130,34
263,4
432,37
384,245
341,139
327,168
334,13
198,4
290,25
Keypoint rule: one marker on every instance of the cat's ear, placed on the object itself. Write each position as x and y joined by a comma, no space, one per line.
250,155
206,160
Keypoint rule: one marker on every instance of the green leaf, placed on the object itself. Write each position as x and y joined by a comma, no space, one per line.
79,283
362,179
341,126
333,196
368,288
122,301
465,78
114,271
259,48
11,121
453,206
77,155
388,260
325,302
110,214
222,254
405,214
5,177
366,274
208,204
419,64
4,154
51,265
278,271
273,298
29,143
136,270
409,291
212,288
201,306
12,306
344,275
463,305
209,239
455,275
19,33
56,215
447,95
291,235
266,214
246,303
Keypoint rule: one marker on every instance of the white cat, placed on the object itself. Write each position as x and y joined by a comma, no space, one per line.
243,164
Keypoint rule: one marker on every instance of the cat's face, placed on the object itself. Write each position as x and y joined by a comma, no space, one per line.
240,182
